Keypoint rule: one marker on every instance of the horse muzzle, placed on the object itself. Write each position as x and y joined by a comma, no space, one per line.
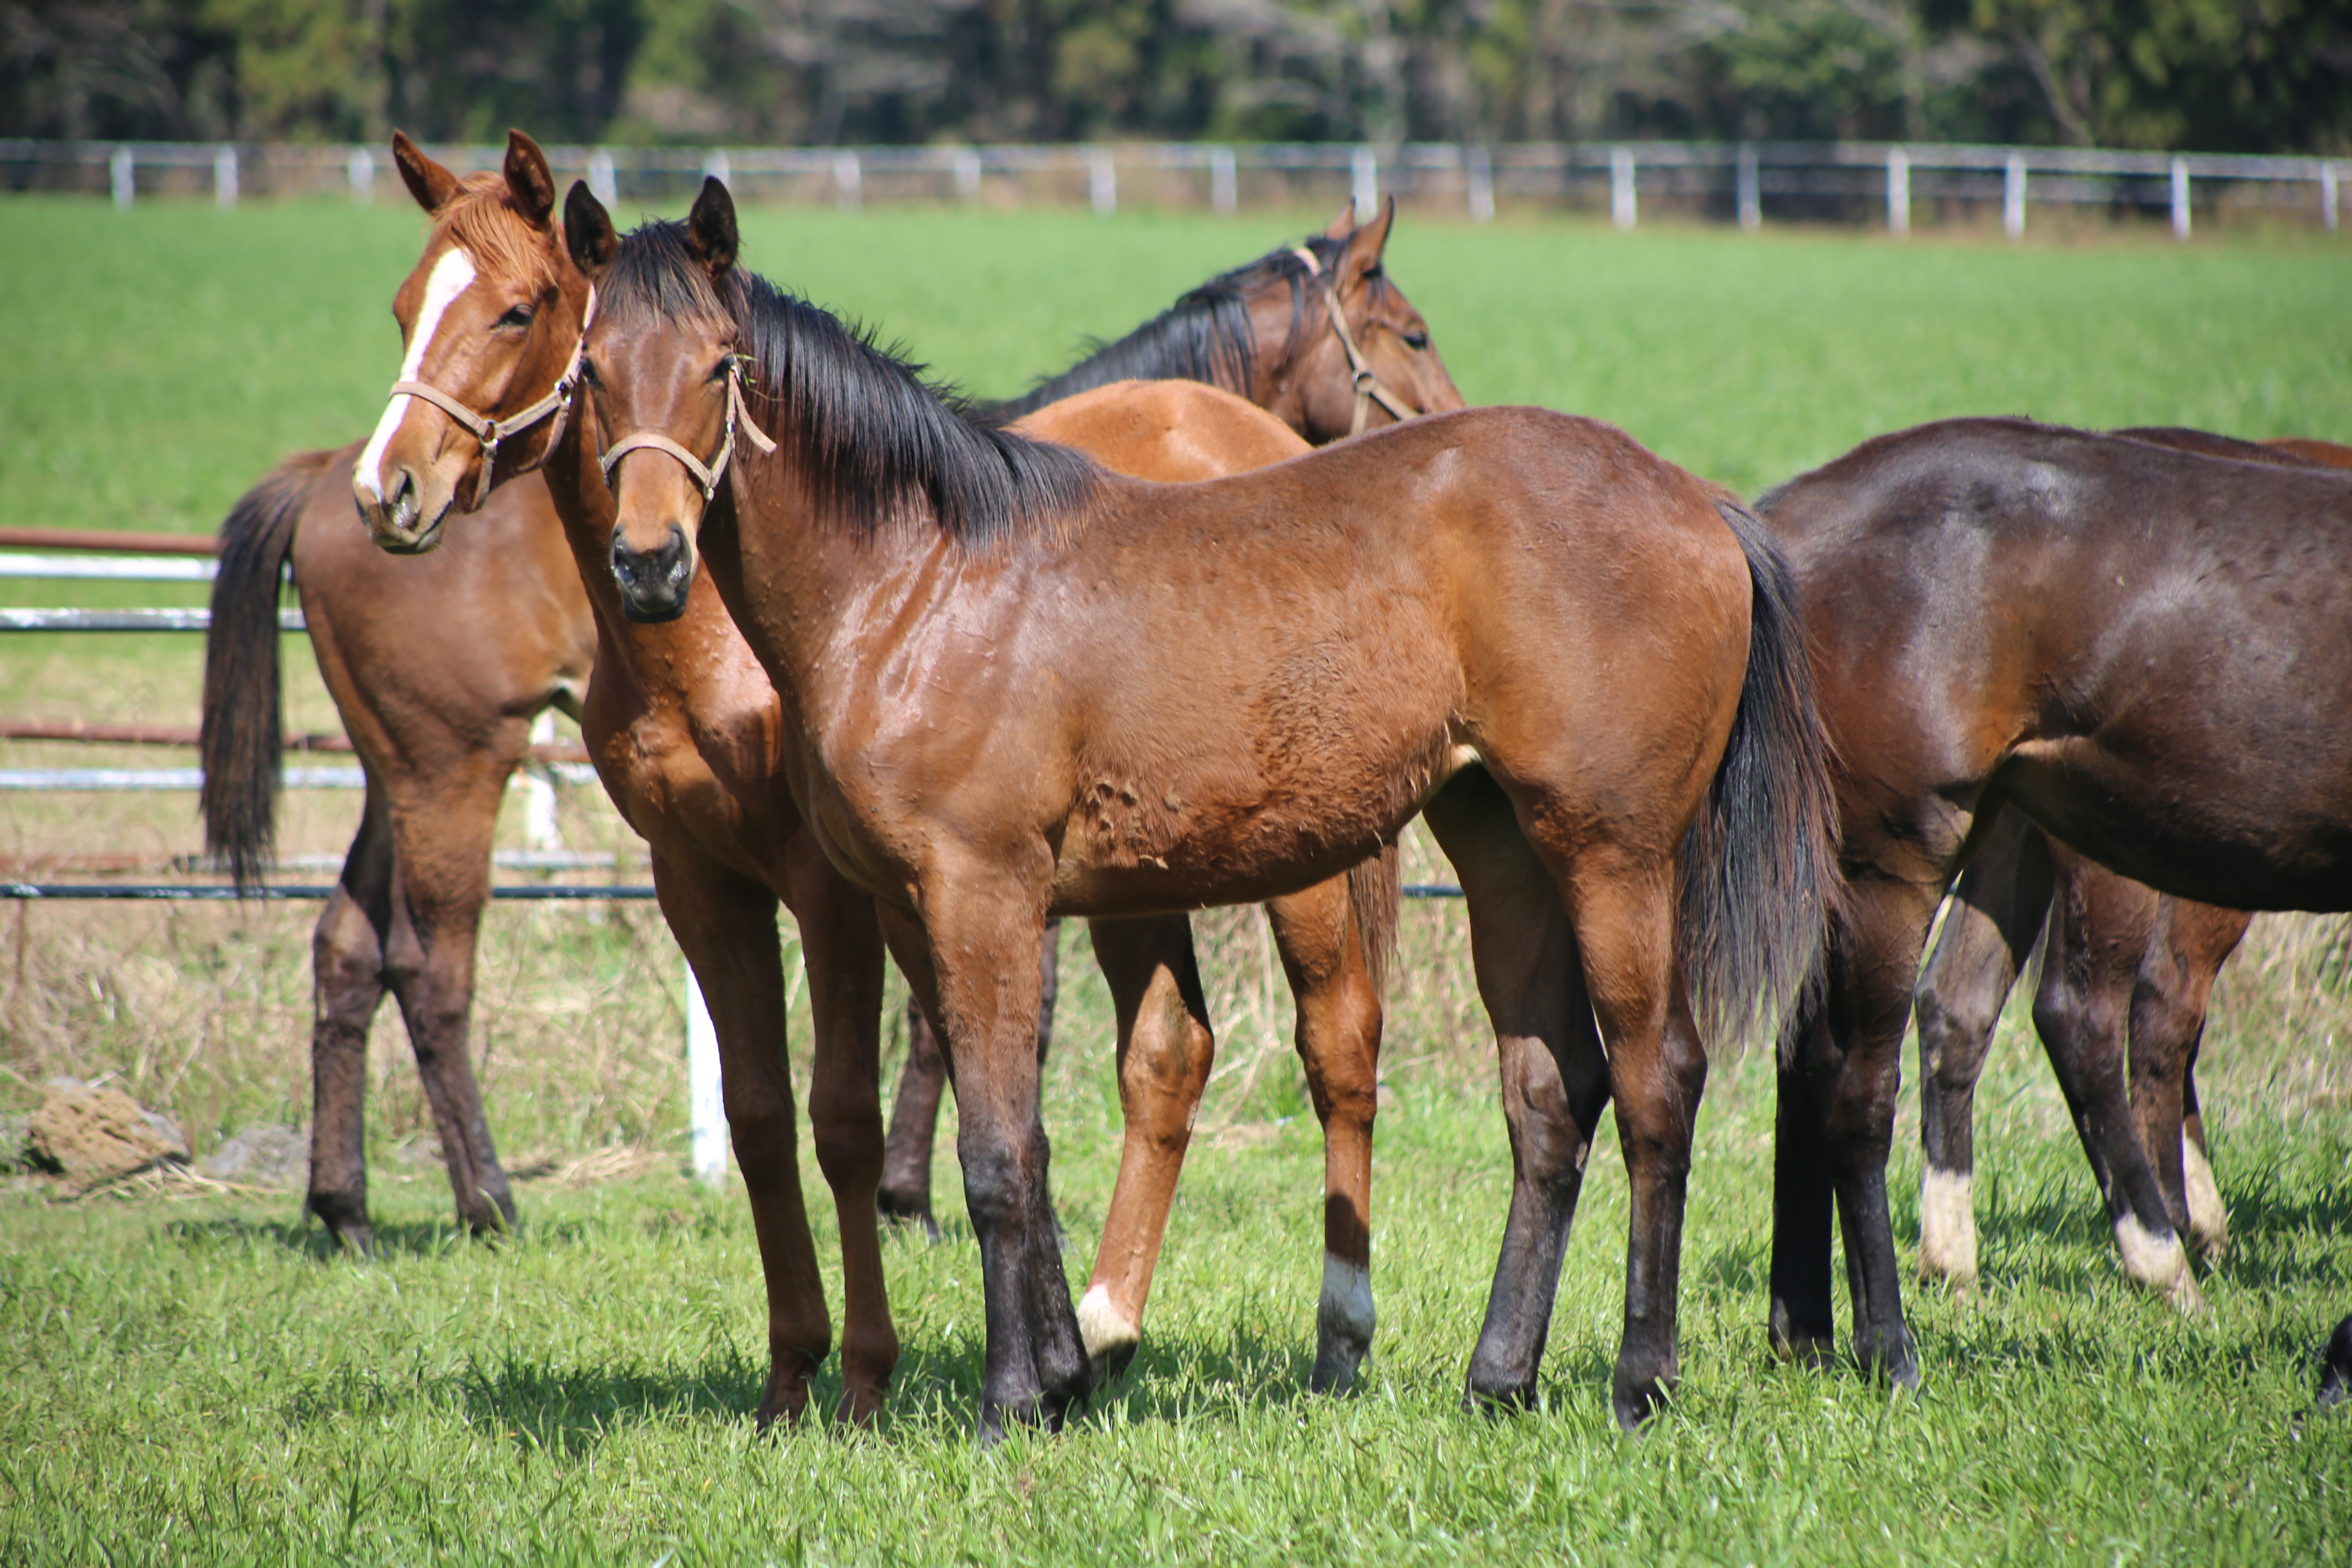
654,583
402,522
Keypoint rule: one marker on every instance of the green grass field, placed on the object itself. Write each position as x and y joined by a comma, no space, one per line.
190,1377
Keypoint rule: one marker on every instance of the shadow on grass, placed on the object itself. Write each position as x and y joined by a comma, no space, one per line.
398,1238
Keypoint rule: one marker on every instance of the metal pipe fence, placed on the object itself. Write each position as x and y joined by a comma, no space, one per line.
1893,184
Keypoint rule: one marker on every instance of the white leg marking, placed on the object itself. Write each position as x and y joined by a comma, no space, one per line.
2160,1263
2208,1221
1102,1326
451,276
1948,1227
1346,1305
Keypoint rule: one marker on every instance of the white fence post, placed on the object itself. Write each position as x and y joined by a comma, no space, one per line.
849,181
1749,188
601,184
1102,180
1621,187
2013,196
1224,180
536,782
1898,191
2328,178
120,177
363,177
706,1109
2181,198
715,166
224,175
1480,165
1365,169
967,172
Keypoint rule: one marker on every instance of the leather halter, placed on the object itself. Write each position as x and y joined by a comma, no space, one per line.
491,430
1369,388
705,476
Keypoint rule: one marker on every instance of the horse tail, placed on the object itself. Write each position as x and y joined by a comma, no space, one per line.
242,736
1375,888
1759,866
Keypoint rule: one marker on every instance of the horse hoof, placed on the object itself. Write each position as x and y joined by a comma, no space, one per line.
1637,1406
1890,1359
1806,1347
1497,1397
909,1212
2336,1367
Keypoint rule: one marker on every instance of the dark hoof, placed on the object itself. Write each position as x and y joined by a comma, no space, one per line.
1112,1363
1635,1406
1337,1363
1807,1345
1480,1397
1891,1358
346,1220
2336,1367
901,1210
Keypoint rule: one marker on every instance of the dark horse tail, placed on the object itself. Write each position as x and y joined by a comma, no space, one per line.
1759,866
244,734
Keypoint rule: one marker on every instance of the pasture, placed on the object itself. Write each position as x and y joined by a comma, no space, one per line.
189,1376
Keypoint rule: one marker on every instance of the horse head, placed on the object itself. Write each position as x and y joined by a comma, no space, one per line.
489,320
1376,364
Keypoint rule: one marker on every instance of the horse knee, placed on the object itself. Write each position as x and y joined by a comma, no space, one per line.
1955,1032
848,1150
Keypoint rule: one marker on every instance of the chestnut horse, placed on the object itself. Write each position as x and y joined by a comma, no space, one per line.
437,739
687,735
1019,684
2139,650
2118,957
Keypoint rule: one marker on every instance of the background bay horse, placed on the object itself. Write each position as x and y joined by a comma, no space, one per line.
689,740
2146,653
1022,686
437,737
2120,1007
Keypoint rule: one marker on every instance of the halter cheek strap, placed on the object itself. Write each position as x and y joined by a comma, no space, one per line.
489,430
1370,389
705,476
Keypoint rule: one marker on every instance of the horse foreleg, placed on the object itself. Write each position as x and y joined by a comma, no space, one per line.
1555,1080
840,943
2100,928
1165,1049
1324,956
1997,911
915,1111
347,974
441,882
973,963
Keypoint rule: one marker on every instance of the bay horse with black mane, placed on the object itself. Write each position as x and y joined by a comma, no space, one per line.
437,737
687,735
2145,652
1017,686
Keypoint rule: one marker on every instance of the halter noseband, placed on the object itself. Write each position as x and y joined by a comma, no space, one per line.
489,429
705,476
1370,389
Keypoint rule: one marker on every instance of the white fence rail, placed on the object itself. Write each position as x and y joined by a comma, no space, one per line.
1748,183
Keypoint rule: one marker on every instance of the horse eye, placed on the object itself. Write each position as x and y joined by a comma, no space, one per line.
588,372
519,317
1416,340
726,362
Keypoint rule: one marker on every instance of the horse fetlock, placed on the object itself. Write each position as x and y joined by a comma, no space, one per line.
2208,1219
1635,1399
1106,1328
1886,1352
2155,1259
344,1213
1810,1344
1947,1229
1344,1324
908,1208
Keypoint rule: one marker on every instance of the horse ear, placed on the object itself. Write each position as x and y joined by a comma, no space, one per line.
528,179
1364,246
1344,225
588,231
710,228
427,181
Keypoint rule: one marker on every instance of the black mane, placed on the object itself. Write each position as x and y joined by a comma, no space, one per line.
876,442
1204,336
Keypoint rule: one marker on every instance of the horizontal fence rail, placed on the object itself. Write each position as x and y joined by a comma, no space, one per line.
1824,180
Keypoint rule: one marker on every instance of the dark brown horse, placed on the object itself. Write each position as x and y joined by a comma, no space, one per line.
2120,1008
2141,651
1020,686
690,740
438,737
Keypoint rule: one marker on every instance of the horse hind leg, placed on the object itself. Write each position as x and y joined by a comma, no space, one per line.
347,965
1165,1051
2184,955
1555,1080
1326,957
1996,912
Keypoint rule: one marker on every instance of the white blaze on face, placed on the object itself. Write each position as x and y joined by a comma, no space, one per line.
450,277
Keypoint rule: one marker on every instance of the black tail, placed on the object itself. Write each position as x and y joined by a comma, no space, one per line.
1759,867
244,734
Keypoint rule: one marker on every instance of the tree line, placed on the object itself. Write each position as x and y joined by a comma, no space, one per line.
2209,75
